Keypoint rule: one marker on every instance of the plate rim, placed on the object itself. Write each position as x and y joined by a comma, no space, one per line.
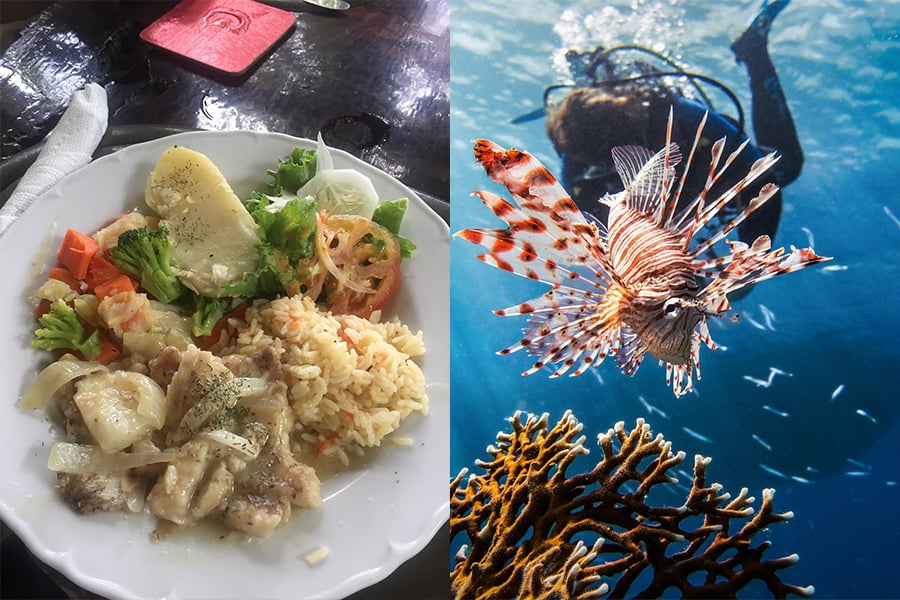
60,560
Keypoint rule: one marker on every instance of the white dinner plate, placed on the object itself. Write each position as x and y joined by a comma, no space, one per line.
375,515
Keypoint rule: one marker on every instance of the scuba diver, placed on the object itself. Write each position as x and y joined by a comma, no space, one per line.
617,102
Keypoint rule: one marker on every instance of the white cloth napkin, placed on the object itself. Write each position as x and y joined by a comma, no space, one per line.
69,147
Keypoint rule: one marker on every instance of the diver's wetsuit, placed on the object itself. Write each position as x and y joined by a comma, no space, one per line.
772,121
578,132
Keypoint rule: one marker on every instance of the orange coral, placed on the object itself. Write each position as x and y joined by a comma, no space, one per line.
534,531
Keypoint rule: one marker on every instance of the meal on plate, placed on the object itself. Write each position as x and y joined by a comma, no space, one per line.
211,353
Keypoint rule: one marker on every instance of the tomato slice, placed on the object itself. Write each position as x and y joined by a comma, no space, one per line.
308,278
363,262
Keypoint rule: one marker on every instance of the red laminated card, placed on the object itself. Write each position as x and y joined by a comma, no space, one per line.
227,35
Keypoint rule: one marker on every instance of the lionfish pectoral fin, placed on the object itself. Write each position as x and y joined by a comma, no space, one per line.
630,352
527,180
679,377
563,336
546,235
702,333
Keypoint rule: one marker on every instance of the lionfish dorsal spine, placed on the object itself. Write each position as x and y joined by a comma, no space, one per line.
766,192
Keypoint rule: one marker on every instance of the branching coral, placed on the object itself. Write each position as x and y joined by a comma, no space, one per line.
534,531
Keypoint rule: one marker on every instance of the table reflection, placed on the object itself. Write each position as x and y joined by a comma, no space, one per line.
374,78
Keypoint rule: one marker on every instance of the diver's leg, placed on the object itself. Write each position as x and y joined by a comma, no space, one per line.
772,121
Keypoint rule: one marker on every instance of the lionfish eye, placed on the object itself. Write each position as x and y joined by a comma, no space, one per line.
672,308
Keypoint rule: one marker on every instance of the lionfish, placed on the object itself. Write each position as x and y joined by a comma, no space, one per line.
637,285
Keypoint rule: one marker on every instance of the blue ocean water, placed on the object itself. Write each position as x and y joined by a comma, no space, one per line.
833,329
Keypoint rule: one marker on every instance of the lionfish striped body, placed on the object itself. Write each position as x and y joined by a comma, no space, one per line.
636,286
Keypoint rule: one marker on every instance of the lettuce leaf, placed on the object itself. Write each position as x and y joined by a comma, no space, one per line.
389,214
285,237
293,172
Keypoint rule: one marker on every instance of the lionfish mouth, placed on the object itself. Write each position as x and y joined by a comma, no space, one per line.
577,323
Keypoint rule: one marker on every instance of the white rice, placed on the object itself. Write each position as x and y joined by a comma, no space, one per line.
350,381
317,555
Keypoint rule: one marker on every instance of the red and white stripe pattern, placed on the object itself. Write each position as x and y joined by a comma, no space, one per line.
635,288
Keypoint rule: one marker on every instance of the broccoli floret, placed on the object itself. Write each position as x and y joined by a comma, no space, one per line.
61,330
207,312
144,253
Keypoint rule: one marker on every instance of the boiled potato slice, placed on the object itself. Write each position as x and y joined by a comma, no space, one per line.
213,236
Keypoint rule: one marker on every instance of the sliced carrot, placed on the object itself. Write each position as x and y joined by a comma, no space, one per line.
100,270
66,277
109,350
76,251
41,309
324,445
221,325
137,322
116,285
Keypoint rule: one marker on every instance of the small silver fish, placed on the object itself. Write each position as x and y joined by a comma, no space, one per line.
833,268
772,471
809,236
773,371
775,411
758,382
859,464
837,392
761,442
754,322
863,413
698,436
652,409
888,212
768,315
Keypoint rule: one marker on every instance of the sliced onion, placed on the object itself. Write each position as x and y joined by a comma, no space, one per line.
85,307
82,458
151,399
324,162
340,191
201,412
54,377
246,448
120,407
54,289
325,257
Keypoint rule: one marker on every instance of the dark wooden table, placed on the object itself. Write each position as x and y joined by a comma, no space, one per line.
373,79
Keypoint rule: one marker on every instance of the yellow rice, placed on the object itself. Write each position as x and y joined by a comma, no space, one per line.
350,381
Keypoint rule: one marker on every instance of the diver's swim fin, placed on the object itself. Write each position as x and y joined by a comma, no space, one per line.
534,115
755,37
767,13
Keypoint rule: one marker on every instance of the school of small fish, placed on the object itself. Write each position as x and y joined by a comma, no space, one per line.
638,285
862,469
